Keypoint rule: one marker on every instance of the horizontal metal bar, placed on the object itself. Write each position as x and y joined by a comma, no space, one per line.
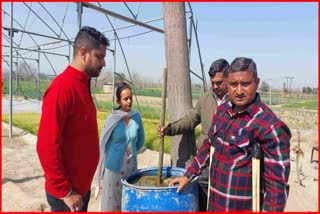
128,26
7,46
37,34
118,16
196,75
21,57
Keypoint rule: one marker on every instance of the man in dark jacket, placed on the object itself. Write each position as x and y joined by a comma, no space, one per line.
202,113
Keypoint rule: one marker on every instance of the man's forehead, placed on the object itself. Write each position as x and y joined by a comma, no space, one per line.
102,49
218,77
241,73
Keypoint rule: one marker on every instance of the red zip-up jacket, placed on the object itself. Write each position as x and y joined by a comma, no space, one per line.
68,141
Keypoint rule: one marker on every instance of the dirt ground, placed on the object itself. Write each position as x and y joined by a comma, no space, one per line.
22,175
23,182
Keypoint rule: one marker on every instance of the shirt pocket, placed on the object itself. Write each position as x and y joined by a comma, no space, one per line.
239,147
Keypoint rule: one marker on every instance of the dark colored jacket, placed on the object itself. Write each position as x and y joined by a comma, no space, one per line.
201,113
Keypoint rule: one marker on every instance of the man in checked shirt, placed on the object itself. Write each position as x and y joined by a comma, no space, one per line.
237,125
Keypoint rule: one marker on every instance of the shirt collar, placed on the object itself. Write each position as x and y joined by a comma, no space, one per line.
81,75
220,101
251,110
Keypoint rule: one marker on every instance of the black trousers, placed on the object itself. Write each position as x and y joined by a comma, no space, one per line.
58,205
203,189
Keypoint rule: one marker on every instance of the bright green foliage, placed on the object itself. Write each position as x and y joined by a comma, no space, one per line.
311,105
28,121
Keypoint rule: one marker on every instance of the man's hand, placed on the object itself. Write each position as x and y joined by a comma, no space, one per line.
182,181
74,202
163,131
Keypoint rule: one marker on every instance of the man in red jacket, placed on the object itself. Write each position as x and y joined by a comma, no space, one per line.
68,141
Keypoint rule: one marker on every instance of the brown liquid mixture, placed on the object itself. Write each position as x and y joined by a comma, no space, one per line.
151,181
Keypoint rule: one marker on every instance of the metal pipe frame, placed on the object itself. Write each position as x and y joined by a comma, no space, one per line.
125,59
198,46
132,25
17,57
121,17
36,51
37,34
11,70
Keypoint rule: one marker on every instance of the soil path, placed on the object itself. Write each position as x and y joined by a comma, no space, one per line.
22,175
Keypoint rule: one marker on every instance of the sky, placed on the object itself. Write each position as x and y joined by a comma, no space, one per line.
282,38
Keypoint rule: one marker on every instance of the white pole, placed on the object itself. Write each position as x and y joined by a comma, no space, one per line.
270,96
11,70
270,93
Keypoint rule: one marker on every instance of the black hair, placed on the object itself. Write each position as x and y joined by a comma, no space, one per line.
242,64
220,65
120,87
89,38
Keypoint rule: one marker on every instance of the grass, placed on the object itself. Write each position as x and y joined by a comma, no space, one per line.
30,123
156,92
297,101
28,88
150,112
310,105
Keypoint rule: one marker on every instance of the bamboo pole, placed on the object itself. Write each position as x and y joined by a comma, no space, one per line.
209,182
256,177
254,185
297,161
258,185
162,123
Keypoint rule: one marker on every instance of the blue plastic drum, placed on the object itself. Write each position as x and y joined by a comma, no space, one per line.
151,199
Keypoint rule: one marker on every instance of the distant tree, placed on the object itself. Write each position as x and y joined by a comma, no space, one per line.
26,71
264,86
315,90
5,74
137,80
105,76
120,77
307,90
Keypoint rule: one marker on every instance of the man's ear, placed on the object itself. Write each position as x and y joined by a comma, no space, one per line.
257,82
83,53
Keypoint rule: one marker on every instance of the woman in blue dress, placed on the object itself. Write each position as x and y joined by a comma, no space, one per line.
121,137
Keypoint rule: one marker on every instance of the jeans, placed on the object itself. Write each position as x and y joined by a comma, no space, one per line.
58,205
203,189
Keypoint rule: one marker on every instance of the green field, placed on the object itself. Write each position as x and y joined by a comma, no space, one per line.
156,92
150,112
305,102
28,88
310,105
150,116
30,123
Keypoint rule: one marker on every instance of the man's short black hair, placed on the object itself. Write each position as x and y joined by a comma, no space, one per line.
243,64
89,38
220,65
